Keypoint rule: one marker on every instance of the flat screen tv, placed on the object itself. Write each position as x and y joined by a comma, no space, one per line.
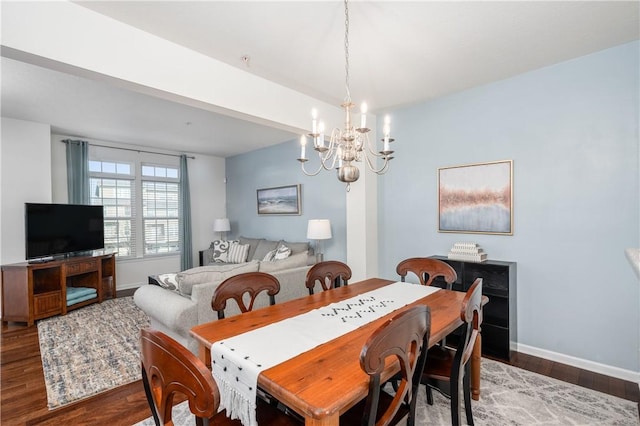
62,229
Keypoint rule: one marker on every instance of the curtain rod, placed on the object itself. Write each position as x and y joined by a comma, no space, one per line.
134,150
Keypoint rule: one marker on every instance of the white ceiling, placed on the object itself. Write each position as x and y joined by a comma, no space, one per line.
401,53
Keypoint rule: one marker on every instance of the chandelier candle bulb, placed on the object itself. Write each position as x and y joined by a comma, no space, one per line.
363,119
314,121
303,143
321,137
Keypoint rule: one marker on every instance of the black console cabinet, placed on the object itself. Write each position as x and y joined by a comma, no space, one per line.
499,326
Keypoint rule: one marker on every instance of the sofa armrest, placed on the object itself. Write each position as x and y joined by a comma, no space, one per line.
207,255
167,307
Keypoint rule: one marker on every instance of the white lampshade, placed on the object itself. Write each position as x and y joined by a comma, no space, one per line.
319,229
221,225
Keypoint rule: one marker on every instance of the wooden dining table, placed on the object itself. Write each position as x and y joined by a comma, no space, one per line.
325,382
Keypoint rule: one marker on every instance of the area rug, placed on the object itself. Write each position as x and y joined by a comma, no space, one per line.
90,350
511,396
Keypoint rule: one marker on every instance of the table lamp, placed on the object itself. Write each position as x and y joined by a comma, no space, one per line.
222,226
319,229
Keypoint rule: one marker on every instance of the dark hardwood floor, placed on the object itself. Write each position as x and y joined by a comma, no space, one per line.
23,398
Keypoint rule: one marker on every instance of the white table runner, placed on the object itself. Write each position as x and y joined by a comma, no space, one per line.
236,362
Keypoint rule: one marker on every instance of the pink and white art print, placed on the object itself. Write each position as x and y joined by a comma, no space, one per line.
476,198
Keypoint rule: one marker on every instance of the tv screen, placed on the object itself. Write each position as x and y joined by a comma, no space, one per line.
55,229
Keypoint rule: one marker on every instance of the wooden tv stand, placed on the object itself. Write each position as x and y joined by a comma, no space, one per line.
32,291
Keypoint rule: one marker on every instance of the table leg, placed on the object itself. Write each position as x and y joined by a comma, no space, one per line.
204,353
475,368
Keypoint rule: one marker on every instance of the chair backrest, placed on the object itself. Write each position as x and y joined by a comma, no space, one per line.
404,337
471,314
168,368
327,273
426,269
237,286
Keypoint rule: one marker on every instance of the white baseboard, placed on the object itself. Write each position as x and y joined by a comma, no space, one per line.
129,286
607,370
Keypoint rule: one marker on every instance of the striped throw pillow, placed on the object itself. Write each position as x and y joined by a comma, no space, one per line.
237,253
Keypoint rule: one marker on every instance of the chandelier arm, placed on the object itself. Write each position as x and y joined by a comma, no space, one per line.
379,171
370,150
312,173
325,160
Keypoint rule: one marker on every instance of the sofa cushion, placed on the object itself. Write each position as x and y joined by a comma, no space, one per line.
237,253
264,247
253,244
293,261
212,273
221,250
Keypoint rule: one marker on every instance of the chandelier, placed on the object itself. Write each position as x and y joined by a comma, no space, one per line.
350,144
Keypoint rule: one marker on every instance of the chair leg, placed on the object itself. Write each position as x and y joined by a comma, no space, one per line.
147,391
429,394
466,385
455,402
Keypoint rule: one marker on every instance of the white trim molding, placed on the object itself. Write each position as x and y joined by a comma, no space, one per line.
632,376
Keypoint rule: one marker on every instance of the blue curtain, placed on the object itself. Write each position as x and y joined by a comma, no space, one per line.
77,171
186,259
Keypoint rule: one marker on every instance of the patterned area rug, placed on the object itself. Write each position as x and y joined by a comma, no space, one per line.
511,396
90,350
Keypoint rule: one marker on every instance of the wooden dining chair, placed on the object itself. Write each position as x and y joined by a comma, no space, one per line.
445,365
330,274
427,269
405,339
170,370
238,287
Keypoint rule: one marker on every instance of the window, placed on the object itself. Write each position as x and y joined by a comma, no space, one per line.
160,206
114,185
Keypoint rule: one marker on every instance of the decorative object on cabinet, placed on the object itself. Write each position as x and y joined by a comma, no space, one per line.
282,200
499,326
222,226
468,252
476,198
32,291
318,230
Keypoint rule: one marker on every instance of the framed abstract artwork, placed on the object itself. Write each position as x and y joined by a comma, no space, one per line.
281,200
476,198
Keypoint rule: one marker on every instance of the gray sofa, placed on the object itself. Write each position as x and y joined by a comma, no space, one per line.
183,300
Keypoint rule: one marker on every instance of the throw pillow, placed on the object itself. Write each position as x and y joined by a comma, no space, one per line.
237,253
167,281
269,256
282,252
221,250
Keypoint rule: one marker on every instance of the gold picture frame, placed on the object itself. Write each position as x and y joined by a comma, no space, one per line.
476,198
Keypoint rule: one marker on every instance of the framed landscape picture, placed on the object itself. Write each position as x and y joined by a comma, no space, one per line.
476,198
281,200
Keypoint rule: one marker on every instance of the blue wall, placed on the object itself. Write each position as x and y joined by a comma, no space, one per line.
572,132
323,197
